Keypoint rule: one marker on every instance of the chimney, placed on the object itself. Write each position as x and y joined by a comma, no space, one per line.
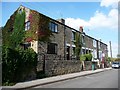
61,20
81,29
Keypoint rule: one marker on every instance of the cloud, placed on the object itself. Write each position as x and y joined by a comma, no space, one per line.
76,23
98,20
109,3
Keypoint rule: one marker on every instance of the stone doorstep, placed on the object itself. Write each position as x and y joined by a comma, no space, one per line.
54,79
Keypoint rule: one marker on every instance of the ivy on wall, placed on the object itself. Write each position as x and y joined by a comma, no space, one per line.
34,22
39,27
44,33
13,32
19,29
7,30
78,44
17,63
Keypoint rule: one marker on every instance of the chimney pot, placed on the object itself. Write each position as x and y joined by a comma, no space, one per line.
81,29
61,20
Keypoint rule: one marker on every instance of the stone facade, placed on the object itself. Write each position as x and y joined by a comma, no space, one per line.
64,40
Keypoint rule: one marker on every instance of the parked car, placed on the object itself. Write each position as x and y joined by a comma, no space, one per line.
116,65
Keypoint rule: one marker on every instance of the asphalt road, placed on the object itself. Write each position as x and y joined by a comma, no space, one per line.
106,79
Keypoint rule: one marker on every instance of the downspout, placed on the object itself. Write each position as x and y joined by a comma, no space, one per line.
64,43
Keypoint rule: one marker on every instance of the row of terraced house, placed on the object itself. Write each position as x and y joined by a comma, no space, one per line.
62,40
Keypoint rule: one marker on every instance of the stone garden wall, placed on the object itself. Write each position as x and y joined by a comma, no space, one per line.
53,65
59,67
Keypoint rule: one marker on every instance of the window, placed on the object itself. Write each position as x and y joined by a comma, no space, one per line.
25,45
53,27
94,54
99,45
73,35
52,48
100,55
83,39
73,48
27,25
87,51
94,43
83,51
20,11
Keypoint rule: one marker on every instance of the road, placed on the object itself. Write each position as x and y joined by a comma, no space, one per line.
106,79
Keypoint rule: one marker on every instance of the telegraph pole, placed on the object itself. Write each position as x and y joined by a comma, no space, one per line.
110,49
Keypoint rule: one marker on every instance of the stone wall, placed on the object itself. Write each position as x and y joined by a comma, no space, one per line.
59,67
56,65
45,57
88,65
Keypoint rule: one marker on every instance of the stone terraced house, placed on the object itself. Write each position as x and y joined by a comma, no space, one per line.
62,40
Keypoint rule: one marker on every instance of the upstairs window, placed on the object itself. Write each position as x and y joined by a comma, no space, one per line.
27,25
94,43
52,48
53,27
99,45
73,35
83,39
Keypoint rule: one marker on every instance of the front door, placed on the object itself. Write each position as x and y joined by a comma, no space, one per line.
68,53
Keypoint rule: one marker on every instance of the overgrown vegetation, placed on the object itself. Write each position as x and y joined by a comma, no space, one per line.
17,64
39,27
117,59
82,58
108,59
86,57
7,30
78,44
44,31
13,32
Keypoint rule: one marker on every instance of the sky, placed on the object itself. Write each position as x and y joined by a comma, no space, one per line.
99,19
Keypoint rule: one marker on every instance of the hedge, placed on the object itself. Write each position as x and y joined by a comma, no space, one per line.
86,57
16,64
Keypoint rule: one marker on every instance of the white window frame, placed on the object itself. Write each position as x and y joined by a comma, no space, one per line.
94,43
53,27
27,25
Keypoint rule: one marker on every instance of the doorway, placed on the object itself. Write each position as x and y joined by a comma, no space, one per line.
68,53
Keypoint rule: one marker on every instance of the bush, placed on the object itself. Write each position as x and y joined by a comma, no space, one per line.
82,58
16,64
86,57
108,59
117,59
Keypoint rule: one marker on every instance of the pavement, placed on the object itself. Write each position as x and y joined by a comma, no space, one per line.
38,82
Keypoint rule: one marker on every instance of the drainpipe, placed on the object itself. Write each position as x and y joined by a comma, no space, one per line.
64,43
44,63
